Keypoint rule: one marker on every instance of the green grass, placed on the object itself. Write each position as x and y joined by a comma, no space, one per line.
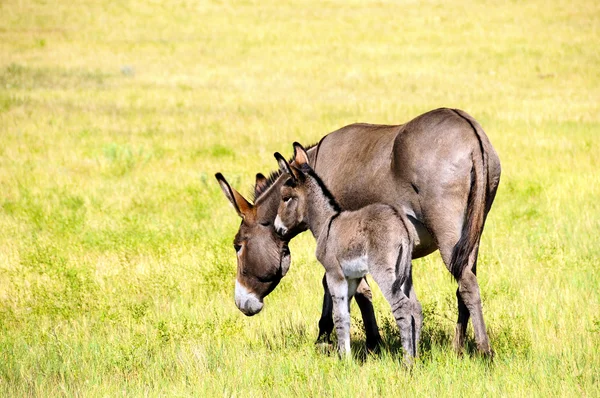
116,264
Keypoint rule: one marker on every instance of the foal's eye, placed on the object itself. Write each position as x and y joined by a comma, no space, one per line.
287,199
265,223
237,247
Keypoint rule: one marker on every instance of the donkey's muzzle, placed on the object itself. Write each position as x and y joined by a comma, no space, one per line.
246,301
280,229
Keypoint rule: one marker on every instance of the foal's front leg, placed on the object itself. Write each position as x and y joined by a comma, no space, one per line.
364,299
338,287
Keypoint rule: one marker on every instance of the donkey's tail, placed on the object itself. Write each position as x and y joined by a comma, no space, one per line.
477,206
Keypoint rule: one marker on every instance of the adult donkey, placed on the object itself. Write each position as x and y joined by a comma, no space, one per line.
439,169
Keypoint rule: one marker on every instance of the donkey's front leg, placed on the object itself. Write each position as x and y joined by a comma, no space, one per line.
338,287
326,321
364,299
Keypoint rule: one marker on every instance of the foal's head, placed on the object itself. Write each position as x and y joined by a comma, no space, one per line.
293,208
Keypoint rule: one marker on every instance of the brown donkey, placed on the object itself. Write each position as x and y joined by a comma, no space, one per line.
439,168
374,239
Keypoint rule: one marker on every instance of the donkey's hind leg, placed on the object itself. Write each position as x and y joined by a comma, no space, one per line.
448,226
469,304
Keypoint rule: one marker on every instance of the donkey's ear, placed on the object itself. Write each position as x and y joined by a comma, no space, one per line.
240,204
300,155
261,184
284,165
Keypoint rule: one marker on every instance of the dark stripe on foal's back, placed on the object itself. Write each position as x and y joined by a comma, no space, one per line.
336,207
329,226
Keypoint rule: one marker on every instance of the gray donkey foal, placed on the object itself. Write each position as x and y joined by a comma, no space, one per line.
374,239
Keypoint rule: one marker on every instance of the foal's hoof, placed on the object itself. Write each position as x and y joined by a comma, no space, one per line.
488,355
323,344
408,363
324,347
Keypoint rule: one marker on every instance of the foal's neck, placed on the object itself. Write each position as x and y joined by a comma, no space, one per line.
321,206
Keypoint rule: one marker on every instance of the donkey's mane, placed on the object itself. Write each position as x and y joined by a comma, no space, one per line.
273,177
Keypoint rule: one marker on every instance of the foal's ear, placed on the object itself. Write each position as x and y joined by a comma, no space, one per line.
240,204
261,184
284,165
300,155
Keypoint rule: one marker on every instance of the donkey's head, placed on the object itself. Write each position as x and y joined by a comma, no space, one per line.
263,257
292,211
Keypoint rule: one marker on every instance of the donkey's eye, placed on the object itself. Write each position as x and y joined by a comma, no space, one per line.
237,247
287,199
265,223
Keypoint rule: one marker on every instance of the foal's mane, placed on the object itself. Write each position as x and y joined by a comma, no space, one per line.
256,194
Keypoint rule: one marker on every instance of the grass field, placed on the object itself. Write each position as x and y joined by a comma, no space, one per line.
116,259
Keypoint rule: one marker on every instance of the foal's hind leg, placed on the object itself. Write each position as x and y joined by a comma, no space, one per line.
417,313
402,309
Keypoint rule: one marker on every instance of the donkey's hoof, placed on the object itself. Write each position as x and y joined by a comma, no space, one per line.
373,348
323,338
374,345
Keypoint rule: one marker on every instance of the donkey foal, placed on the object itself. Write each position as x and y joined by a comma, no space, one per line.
350,244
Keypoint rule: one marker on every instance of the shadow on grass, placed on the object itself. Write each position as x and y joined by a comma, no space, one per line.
508,339
432,335
507,336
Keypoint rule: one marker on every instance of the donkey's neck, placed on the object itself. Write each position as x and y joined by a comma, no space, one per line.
321,206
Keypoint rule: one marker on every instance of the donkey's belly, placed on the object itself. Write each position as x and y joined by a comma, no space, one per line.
356,267
424,243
